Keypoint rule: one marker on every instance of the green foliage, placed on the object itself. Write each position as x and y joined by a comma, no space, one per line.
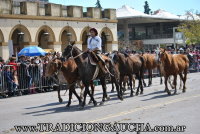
191,30
147,10
98,4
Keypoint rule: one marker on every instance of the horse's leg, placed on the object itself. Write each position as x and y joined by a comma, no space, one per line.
59,97
70,96
134,82
184,80
80,84
181,80
140,81
143,80
103,83
170,83
130,82
87,91
149,77
79,99
120,82
92,91
138,76
166,86
160,74
119,91
124,83
113,86
85,95
175,82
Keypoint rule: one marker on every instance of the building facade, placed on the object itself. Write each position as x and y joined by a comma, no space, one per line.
140,31
53,26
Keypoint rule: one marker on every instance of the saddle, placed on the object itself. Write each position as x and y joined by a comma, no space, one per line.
91,60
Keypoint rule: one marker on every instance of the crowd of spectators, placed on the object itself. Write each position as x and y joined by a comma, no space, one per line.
25,75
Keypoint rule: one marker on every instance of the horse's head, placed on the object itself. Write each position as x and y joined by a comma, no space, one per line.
52,67
68,50
162,54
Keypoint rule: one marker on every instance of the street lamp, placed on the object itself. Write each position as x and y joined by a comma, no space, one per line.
20,33
45,33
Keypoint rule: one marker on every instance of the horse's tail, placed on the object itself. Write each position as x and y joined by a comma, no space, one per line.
142,66
189,59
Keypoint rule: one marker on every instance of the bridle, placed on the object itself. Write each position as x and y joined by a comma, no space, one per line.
70,55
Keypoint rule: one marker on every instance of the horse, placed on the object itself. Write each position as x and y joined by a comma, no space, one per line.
129,65
151,63
89,72
66,72
174,65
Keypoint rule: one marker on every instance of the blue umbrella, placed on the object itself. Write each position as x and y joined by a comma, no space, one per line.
32,51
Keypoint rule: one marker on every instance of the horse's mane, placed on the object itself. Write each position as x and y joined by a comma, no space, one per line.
168,59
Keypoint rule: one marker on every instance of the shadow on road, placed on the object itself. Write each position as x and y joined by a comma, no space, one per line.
161,96
157,92
46,105
63,108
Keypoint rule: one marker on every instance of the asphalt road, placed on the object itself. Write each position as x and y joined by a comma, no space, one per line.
154,107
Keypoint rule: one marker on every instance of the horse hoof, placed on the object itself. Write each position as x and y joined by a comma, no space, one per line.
81,107
80,103
131,95
90,102
60,100
95,103
101,103
108,98
141,92
137,94
68,105
169,93
112,91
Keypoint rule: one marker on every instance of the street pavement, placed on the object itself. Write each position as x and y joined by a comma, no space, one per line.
154,107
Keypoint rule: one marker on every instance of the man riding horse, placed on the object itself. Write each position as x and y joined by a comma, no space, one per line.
94,45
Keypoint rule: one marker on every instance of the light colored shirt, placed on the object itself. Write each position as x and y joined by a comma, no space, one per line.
94,42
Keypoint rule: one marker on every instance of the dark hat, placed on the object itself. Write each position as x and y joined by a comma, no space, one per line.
12,58
94,30
21,56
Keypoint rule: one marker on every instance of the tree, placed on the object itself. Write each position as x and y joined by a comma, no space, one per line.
147,10
98,4
191,30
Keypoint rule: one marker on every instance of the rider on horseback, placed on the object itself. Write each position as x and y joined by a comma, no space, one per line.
94,45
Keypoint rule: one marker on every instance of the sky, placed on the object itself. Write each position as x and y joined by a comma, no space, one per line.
178,7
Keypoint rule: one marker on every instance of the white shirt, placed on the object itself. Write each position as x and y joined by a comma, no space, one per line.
94,42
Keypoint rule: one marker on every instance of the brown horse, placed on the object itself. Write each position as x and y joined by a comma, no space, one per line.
66,72
151,63
88,72
129,65
174,65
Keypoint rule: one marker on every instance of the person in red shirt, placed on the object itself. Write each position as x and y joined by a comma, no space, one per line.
13,63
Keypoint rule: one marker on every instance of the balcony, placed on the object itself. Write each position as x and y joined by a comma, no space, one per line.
155,36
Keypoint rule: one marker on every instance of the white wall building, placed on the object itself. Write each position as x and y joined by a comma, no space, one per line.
152,30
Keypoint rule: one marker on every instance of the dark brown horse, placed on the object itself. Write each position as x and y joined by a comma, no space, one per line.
151,63
129,65
65,72
174,65
89,72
